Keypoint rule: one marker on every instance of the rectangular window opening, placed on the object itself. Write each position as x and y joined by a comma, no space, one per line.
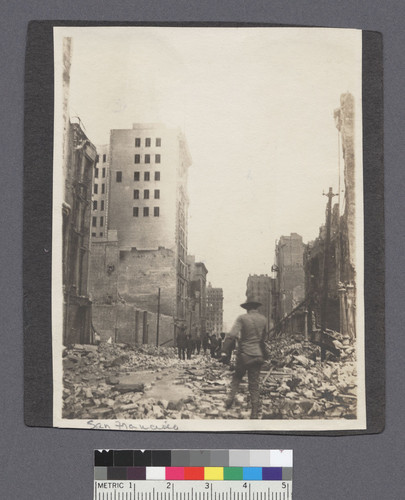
136,194
136,176
146,211
147,142
157,194
147,158
104,158
157,158
146,176
135,211
137,142
118,177
95,188
146,194
157,176
156,212
95,205
158,142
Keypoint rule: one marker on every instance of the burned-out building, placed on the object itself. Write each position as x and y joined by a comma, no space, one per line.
197,287
330,259
290,273
215,309
80,161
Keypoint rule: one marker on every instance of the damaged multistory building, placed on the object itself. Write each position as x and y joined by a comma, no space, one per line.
336,253
141,264
79,157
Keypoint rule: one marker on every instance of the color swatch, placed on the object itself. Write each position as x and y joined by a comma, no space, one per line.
193,465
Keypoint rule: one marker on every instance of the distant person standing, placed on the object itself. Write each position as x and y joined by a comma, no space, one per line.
181,342
198,341
250,329
213,345
190,346
205,342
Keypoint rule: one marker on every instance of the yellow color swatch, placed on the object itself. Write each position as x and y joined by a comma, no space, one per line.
213,473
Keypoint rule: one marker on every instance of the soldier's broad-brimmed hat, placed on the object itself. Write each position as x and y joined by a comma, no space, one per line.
251,302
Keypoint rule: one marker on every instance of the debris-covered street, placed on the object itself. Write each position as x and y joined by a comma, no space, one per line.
117,381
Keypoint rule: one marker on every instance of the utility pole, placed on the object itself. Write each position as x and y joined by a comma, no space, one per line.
324,303
157,320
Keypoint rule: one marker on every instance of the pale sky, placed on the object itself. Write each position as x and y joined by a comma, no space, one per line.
256,106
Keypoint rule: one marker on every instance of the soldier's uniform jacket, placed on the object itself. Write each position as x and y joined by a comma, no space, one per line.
250,329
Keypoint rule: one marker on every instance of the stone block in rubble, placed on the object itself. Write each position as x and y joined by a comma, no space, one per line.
112,380
157,412
164,403
123,388
73,358
175,405
212,413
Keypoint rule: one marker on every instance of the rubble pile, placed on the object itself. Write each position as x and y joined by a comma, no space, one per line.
117,381
298,385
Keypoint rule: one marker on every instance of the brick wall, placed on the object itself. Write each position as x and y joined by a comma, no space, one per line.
126,324
142,273
104,270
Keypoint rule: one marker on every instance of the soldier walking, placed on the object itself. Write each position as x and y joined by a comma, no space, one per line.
250,329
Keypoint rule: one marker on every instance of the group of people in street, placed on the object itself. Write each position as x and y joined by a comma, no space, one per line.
187,345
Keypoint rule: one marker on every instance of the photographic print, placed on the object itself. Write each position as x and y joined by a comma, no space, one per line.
208,253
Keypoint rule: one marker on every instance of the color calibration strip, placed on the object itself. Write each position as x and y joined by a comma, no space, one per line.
193,474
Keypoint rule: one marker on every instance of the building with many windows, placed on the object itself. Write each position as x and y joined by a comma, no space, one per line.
215,301
290,273
197,288
146,209
99,212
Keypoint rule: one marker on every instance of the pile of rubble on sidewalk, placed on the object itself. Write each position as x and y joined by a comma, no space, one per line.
117,381
298,385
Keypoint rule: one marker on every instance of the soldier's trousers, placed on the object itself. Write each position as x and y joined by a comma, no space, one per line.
253,384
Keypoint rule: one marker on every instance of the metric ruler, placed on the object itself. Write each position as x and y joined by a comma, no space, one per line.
193,475
193,490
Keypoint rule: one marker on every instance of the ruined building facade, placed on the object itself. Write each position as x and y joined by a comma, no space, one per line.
215,309
290,272
80,160
197,305
340,258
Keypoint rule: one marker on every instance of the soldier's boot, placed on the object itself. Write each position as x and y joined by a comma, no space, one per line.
255,407
234,389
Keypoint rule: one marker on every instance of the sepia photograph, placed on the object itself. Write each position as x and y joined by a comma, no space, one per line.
208,232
